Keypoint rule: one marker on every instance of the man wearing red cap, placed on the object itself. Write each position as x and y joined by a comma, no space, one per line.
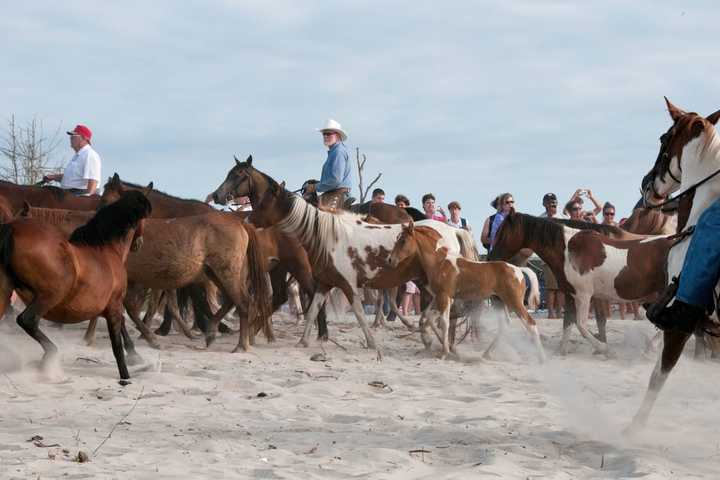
82,174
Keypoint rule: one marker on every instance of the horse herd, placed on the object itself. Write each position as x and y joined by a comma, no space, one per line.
72,259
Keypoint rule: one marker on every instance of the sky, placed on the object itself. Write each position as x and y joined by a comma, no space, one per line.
462,99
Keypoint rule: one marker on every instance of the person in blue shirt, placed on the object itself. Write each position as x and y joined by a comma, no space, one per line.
336,180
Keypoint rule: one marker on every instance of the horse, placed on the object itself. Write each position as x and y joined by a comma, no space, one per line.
16,195
345,251
76,279
450,277
688,157
588,262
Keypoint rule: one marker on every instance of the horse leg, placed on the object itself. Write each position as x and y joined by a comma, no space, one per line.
172,312
502,322
379,315
132,302
396,310
318,299
212,329
601,320
700,351
132,357
114,323
673,345
360,316
444,319
569,318
89,337
529,323
29,320
582,306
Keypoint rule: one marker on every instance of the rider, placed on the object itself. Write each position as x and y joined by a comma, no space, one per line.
699,276
336,180
82,174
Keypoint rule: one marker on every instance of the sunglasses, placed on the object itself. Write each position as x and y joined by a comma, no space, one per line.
575,209
609,214
509,202
328,134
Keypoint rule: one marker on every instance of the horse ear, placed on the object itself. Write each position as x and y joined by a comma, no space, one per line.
115,180
25,211
237,162
410,227
249,160
282,184
675,112
713,117
146,191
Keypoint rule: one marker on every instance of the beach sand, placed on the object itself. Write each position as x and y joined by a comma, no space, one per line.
275,413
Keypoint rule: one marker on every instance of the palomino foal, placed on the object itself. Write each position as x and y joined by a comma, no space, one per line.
450,277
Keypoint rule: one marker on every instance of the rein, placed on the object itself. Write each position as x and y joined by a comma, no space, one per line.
683,193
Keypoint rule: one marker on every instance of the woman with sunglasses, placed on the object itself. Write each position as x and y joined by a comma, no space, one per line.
504,204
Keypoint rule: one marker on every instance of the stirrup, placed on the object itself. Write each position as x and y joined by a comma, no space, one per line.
654,309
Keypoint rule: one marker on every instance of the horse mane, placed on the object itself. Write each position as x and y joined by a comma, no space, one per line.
161,193
112,222
537,229
607,230
53,216
317,229
416,214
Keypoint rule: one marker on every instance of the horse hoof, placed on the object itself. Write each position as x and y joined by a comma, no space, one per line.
632,430
302,343
124,382
225,330
209,340
162,332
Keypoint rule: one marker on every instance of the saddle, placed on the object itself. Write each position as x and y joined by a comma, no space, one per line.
334,199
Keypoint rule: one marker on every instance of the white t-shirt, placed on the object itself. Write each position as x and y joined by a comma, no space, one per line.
84,166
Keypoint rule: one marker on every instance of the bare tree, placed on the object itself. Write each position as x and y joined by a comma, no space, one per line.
361,167
27,151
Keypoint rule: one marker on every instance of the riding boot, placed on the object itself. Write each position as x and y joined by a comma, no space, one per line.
678,316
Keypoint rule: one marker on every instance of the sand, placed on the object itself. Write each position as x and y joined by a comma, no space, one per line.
275,413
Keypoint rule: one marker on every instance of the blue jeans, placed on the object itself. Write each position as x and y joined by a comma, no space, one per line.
701,268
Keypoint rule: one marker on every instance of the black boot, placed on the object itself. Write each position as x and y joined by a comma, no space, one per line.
678,316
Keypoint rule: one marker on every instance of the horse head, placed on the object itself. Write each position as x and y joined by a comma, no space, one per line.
405,246
115,188
237,183
686,139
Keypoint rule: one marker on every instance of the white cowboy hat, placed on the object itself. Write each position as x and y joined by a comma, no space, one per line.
334,126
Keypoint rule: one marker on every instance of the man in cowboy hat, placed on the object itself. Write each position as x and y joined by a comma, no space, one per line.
82,174
336,180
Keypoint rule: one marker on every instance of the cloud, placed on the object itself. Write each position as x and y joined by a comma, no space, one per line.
462,99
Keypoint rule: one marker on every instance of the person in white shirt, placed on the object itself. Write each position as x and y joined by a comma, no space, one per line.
82,174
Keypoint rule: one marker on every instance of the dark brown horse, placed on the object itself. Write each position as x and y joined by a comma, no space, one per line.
70,281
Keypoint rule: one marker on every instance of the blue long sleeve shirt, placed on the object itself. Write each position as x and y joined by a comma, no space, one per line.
337,170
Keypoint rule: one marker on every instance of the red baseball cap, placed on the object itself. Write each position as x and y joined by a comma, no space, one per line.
83,131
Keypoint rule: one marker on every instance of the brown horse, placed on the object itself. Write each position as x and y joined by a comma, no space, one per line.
48,197
70,281
452,277
184,251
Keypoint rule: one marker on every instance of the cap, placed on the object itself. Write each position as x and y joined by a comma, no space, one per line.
549,197
83,131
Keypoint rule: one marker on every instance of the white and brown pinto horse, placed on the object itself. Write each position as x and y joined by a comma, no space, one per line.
451,277
588,262
345,251
689,156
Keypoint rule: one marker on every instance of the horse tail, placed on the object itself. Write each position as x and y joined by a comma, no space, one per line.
8,279
259,291
468,249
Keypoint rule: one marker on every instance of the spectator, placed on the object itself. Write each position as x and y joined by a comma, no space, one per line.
609,214
455,219
574,209
428,201
550,204
504,204
378,196
411,295
577,197
402,201
554,296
